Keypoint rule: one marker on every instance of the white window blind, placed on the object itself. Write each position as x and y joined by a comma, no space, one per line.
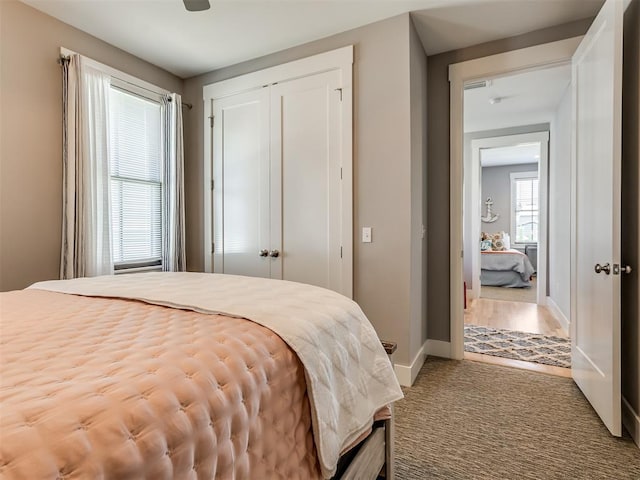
525,210
136,167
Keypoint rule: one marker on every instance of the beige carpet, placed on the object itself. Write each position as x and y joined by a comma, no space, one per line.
525,294
467,420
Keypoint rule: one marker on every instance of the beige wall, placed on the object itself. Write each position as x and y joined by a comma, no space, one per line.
438,161
382,168
418,100
31,135
631,208
559,248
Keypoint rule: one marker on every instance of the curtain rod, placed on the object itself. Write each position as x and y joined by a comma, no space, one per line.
184,104
65,58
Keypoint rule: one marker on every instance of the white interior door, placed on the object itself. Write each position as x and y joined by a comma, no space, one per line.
241,184
306,180
595,322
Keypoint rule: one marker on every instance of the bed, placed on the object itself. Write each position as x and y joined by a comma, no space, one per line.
185,375
506,268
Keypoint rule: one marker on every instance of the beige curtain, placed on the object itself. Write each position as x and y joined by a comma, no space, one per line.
173,242
86,229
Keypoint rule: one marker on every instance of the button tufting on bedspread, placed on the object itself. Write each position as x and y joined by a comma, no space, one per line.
348,374
120,389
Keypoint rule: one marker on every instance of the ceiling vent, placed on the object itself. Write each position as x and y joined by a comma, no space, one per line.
196,5
477,84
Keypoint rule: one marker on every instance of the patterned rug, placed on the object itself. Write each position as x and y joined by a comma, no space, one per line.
530,347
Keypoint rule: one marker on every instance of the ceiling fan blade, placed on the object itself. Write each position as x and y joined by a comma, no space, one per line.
196,5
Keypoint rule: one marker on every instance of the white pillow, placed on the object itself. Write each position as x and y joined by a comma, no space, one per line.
506,239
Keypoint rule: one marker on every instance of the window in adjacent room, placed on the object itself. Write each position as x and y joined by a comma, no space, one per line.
136,170
524,207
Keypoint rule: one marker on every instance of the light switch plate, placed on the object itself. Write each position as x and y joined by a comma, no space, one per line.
366,234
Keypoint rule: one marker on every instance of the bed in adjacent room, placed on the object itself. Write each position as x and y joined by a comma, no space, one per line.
505,268
502,266
162,375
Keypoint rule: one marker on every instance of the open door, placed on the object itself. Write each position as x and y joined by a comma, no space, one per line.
597,134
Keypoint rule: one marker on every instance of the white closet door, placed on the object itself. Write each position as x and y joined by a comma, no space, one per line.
305,180
241,184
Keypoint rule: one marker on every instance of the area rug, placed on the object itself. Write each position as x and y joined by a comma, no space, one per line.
529,347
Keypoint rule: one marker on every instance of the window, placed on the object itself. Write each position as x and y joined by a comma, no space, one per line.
136,174
524,207
123,173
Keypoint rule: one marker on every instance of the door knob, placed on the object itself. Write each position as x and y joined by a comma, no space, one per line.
626,269
264,252
274,253
606,268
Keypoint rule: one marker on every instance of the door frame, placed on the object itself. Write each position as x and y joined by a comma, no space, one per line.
516,61
541,137
340,59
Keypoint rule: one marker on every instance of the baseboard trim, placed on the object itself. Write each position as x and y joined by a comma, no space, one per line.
407,374
631,421
438,348
557,313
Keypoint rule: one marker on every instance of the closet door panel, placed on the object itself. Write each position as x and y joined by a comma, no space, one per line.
305,180
241,180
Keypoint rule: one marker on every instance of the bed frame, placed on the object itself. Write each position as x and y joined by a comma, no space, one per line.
502,278
373,458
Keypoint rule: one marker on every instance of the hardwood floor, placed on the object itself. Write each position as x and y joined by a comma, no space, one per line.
507,362
520,316
512,294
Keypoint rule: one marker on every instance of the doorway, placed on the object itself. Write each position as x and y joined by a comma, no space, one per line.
508,235
595,214
506,185
461,76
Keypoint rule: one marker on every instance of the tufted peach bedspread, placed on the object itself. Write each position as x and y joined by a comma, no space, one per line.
109,388
347,372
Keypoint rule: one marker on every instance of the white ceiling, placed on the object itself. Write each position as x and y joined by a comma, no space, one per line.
460,24
511,155
189,43
525,99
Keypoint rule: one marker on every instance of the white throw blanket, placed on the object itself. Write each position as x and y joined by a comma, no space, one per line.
349,376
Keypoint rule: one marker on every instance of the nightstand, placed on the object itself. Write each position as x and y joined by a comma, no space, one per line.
390,348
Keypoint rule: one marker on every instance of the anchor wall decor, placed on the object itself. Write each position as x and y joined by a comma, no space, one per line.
490,217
